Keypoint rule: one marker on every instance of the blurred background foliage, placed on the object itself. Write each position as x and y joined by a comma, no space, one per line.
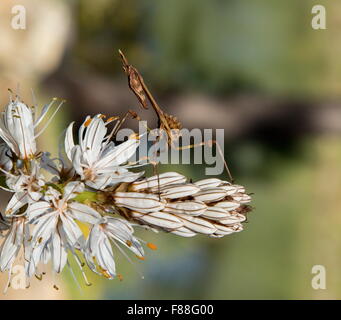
255,68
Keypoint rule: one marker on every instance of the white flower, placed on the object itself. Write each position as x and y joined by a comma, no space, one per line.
97,160
98,247
26,188
17,236
55,227
17,127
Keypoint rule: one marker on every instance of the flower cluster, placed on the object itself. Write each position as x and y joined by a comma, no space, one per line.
85,203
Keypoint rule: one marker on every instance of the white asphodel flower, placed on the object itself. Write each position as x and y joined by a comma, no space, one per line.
18,127
98,250
96,159
56,230
18,236
26,188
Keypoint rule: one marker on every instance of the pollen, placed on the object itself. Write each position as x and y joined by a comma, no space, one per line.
112,119
120,277
128,242
87,122
141,258
134,136
104,272
55,287
151,246
40,277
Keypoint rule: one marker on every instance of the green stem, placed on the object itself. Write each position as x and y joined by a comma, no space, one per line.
86,196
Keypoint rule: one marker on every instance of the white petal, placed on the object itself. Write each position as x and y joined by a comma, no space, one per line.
73,234
197,224
163,179
35,210
44,228
208,183
228,205
233,218
215,213
69,143
92,142
58,253
230,189
76,155
175,191
105,257
18,200
121,231
225,230
84,213
72,189
141,202
34,260
159,219
246,199
19,123
239,188
120,154
193,208
210,194
11,246
184,232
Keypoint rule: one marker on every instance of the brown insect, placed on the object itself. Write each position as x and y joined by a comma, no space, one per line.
170,124
166,122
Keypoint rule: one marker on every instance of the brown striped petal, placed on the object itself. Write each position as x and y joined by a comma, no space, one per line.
215,213
210,194
159,219
163,179
197,224
179,191
184,232
228,205
232,219
193,208
230,189
240,188
141,202
208,183
246,199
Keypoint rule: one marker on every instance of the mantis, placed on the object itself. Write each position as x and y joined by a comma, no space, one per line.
168,123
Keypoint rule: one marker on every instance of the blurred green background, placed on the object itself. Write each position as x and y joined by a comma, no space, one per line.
253,67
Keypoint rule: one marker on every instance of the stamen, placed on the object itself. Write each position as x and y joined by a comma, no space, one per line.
79,262
112,119
40,277
130,261
50,120
74,277
128,242
87,122
151,246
